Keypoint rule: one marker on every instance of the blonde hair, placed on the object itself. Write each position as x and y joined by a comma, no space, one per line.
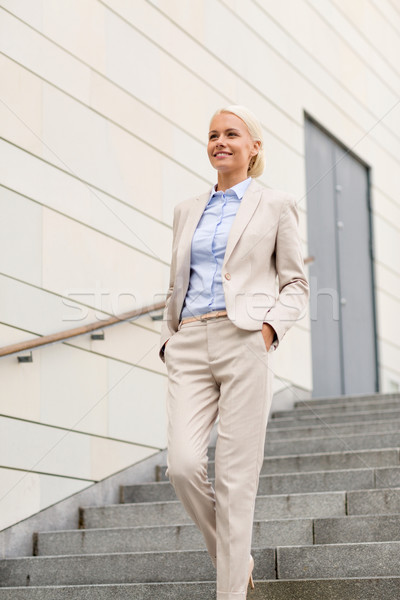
257,163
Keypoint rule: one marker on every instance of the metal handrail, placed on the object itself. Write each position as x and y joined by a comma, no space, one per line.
70,333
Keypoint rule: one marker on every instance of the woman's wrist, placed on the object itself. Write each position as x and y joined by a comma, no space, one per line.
269,334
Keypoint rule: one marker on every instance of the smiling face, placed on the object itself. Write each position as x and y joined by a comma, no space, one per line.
230,147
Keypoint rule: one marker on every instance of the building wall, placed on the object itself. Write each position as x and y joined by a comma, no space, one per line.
104,111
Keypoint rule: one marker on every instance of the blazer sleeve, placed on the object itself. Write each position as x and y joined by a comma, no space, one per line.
165,330
293,295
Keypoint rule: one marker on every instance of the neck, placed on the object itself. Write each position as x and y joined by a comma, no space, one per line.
228,180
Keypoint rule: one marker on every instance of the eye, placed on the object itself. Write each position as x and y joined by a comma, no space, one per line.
232,133
212,136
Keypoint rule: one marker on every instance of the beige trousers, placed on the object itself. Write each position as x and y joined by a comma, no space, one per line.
215,368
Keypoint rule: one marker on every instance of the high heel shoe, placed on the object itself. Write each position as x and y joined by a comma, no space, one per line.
251,567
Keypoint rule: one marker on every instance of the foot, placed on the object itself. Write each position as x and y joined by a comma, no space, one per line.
251,567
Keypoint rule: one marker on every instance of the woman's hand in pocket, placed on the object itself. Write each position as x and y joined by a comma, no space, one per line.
268,333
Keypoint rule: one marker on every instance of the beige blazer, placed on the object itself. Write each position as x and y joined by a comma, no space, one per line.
263,243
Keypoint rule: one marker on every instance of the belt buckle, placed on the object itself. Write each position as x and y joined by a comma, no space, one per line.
204,317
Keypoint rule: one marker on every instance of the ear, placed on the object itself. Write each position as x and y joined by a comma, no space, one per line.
256,148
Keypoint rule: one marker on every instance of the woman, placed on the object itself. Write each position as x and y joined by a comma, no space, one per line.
221,322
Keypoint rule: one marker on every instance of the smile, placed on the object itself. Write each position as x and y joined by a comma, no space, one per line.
222,154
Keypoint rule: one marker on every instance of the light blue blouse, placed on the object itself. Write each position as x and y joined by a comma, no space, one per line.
205,292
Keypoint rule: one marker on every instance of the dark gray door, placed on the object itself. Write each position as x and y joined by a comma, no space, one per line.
342,307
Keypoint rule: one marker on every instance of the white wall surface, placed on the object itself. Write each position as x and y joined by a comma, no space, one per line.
104,109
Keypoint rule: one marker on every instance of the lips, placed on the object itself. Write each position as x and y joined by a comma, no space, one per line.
221,154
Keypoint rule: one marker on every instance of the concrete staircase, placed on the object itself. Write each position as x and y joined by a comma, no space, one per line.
327,522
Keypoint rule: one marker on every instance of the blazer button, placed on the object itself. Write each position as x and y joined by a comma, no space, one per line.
227,275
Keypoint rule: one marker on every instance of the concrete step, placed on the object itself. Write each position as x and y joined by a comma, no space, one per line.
288,483
351,529
334,443
128,567
282,532
335,429
372,559
356,398
285,532
328,504
357,588
194,590
317,462
339,408
378,501
328,419
323,444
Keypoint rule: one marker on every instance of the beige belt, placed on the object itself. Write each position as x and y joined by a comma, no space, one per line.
214,314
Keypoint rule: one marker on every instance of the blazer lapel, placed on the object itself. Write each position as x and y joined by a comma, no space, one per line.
246,209
185,245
